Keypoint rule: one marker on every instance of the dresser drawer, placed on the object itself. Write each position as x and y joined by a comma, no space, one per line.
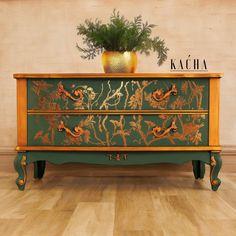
118,94
118,130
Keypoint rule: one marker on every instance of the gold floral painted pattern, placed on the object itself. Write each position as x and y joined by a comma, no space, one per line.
122,94
121,130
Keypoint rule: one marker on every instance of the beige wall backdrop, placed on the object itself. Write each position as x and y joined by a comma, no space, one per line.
40,36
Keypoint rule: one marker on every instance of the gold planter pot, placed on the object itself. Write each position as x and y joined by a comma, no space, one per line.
119,62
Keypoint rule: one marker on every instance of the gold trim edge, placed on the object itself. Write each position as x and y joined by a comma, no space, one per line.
116,75
100,112
164,148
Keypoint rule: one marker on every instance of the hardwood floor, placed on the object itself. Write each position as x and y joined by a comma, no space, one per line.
70,205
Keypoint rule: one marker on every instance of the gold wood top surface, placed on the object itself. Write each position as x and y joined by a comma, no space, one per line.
116,75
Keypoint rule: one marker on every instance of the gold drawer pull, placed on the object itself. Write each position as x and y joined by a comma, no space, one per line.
158,95
117,157
78,93
158,133
78,131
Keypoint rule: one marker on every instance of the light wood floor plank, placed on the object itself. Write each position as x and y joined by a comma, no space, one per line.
8,226
118,206
41,222
134,206
91,218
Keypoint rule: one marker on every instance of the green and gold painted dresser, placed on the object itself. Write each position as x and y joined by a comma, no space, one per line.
118,119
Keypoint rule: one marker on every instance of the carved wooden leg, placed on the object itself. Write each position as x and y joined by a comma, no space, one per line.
216,164
20,166
198,169
39,168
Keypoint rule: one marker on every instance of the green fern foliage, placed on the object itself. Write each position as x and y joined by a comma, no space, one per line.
120,35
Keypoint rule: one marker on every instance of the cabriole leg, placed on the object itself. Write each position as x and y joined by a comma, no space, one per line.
20,166
216,164
39,168
198,169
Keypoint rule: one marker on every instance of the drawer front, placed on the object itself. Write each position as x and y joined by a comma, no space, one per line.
118,130
118,94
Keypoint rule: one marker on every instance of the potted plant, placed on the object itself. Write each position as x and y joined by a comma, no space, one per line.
118,41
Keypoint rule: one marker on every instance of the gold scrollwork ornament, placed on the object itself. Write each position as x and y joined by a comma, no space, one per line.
117,156
23,166
159,133
158,95
78,131
62,91
213,164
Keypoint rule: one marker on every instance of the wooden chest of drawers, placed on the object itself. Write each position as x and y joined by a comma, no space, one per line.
118,119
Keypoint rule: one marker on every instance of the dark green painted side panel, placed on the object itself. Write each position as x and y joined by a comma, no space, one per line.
117,130
133,158
117,94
